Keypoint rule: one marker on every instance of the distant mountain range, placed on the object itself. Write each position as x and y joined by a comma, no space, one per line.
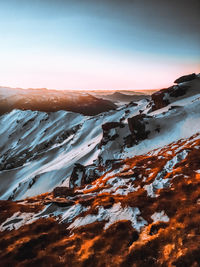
121,98
85,102
51,101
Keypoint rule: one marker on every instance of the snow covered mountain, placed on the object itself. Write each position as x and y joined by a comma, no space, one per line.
74,187
39,150
124,97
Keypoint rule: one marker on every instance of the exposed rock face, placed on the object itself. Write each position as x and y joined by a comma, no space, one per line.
82,175
159,99
176,91
113,163
62,191
110,125
186,78
77,175
109,133
137,126
164,97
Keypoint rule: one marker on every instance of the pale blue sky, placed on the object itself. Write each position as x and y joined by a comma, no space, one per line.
97,45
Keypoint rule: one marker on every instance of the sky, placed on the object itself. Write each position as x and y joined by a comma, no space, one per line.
98,44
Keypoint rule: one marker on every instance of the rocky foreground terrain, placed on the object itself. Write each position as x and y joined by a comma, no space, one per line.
121,188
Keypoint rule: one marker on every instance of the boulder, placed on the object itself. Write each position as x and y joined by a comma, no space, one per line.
137,127
76,178
164,97
62,191
110,125
109,133
82,175
159,99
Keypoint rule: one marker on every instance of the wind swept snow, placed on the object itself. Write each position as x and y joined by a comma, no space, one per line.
114,214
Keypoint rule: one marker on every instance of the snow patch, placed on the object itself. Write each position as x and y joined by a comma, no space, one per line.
160,217
17,220
73,212
114,214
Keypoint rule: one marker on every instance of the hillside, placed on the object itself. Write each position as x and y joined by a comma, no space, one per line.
121,188
51,101
123,97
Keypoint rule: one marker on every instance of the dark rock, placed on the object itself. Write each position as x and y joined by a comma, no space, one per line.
86,200
108,202
157,129
129,140
82,175
164,97
175,107
159,99
60,202
110,125
132,104
156,227
186,78
113,163
32,182
62,192
63,203
76,178
107,136
176,91
138,128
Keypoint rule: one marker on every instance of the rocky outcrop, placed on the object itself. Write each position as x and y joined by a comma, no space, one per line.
164,97
186,78
159,99
62,191
138,129
109,132
82,175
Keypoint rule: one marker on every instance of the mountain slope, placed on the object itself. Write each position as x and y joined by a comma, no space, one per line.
121,188
119,97
134,215
38,150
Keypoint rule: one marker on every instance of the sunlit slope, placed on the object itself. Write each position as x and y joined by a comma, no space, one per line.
38,150
143,212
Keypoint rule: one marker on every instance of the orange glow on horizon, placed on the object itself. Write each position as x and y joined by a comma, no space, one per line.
93,72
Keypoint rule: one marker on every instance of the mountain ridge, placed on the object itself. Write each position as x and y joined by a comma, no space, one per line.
121,188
